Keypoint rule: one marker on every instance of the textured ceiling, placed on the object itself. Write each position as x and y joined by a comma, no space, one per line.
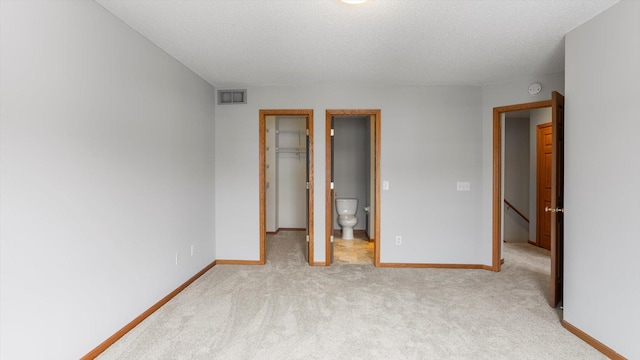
382,42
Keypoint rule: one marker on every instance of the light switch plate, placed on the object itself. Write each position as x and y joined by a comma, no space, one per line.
385,185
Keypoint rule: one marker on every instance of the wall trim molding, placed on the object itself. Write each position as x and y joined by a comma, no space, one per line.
286,229
607,351
239,262
120,333
437,266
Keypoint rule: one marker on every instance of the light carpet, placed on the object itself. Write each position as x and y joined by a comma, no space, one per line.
289,310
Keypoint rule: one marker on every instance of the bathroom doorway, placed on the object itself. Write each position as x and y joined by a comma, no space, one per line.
286,187
353,171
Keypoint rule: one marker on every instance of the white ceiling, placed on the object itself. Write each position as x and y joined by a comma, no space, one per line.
237,43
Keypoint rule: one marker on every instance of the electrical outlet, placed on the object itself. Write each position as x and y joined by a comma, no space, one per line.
398,240
193,248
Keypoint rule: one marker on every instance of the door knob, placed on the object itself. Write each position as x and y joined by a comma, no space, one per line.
548,209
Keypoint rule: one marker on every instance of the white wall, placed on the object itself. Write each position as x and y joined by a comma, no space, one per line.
106,172
537,117
516,178
431,138
496,95
351,164
602,173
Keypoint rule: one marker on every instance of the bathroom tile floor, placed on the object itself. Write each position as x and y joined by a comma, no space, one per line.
356,251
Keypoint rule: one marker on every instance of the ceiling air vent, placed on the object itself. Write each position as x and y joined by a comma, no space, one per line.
226,97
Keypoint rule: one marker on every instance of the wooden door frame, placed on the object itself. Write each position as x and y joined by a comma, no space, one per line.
262,165
498,112
328,198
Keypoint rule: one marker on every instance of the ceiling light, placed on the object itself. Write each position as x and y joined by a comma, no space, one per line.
353,2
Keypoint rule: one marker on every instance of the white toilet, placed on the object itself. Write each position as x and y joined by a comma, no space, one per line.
347,219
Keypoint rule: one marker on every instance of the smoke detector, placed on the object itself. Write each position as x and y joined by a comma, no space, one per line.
535,88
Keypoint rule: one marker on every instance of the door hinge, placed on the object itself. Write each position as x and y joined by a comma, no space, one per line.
307,132
332,132
307,185
331,238
332,185
307,238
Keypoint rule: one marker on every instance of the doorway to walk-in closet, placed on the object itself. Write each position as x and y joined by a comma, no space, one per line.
353,168
286,187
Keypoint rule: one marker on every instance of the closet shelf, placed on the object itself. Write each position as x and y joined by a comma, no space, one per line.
291,150
295,132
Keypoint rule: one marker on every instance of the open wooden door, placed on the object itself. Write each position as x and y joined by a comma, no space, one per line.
333,192
329,190
557,199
